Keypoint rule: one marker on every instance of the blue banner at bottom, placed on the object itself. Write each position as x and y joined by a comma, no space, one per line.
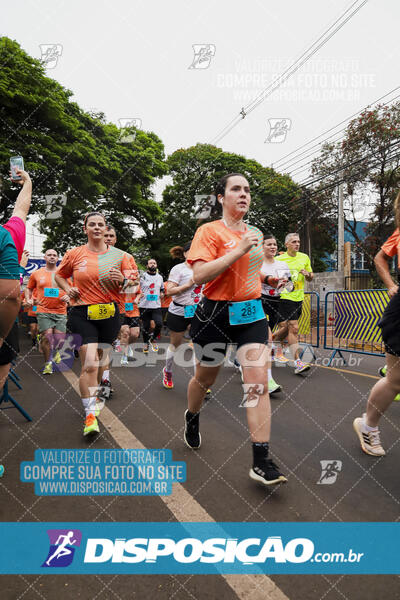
200,548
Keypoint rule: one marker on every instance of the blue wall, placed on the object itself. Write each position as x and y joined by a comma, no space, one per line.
331,259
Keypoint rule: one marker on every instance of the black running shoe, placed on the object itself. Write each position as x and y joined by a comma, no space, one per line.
192,435
105,390
267,473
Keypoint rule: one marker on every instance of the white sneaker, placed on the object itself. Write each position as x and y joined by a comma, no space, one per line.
124,361
370,440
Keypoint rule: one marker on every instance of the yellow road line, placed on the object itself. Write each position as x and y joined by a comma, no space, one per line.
185,508
347,371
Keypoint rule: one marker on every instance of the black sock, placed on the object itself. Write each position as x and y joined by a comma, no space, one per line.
190,416
260,452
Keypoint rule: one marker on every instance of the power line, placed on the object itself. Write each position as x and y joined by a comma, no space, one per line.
337,182
304,166
306,183
338,125
291,70
306,54
298,203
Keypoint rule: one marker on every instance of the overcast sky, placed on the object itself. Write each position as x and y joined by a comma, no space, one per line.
132,59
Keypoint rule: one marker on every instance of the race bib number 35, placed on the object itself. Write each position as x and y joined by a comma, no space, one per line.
97,312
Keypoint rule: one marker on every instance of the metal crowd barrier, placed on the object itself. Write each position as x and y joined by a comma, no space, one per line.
309,323
351,322
5,396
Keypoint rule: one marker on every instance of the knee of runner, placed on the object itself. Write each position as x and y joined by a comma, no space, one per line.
253,357
282,329
255,375
205,380
393,379
89,369
294,327
175,345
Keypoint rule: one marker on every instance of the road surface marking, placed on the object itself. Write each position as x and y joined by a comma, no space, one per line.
347,371
185,508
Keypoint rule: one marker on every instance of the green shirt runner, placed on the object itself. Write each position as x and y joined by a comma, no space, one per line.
296,264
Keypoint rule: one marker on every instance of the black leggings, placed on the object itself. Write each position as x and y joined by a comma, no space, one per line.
147,315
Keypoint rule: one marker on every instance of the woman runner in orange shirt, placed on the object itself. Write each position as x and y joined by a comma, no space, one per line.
226,255
98,273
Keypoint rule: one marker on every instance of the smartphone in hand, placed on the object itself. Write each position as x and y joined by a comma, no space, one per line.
16,162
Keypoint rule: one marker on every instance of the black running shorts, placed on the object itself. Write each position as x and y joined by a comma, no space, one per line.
290,310
177,323
131,321
211,331
390,326
104,331
271,308
10,347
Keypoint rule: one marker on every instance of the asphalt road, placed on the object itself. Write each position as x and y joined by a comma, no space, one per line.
312,421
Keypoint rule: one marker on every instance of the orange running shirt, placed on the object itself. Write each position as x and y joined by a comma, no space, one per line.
392,245
240,281
131,297
33,313
39,280
91,273
166,301
23,308
124,294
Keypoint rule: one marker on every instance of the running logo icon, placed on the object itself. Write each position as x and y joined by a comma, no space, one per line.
54,206
278,129
125,136
63,543
203,54
330,469
251,394
65,345
203,205
50,54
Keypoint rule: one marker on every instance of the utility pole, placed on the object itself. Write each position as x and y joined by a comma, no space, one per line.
305,238
340,242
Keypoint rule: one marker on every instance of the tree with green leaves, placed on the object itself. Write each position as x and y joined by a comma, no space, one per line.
367,161
75,155
194,173
277,202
